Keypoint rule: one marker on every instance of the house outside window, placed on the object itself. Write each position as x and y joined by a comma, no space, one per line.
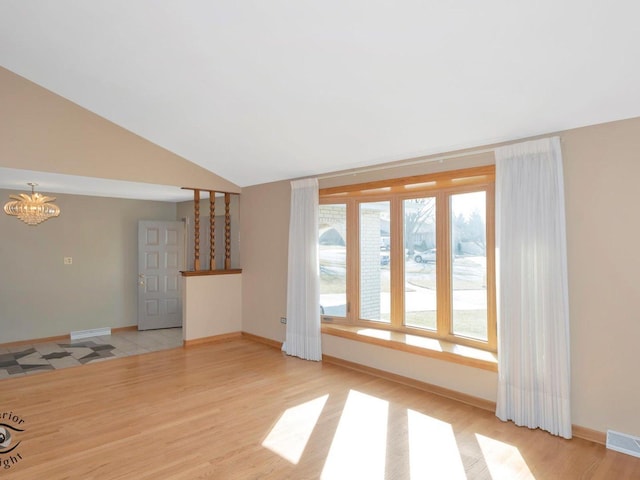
414,255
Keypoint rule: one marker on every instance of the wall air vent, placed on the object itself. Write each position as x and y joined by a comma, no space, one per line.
96,332
621,442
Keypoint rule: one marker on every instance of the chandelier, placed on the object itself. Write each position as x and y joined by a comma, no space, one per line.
32,209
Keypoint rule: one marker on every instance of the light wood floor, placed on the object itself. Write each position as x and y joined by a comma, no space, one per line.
242,410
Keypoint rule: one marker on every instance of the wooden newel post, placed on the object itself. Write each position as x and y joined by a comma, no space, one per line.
227,231
212,228
196,223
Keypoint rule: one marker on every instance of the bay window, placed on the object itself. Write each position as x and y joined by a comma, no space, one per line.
414,255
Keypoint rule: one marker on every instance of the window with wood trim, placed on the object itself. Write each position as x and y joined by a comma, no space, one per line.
413,254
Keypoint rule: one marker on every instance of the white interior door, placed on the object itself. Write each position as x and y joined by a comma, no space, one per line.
160,259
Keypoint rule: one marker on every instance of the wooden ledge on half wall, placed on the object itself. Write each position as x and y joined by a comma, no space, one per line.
199,273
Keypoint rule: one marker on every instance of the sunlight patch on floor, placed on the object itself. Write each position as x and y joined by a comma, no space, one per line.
433,451
289,437
359,447
503,460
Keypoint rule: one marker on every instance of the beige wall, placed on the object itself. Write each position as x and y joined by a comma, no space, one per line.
453,376
212,305
602,168
42,131
42,297
264,236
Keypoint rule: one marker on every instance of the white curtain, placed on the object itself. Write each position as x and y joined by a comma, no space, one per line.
533,305
303,284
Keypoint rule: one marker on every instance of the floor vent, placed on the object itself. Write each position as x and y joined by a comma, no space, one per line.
96,332
621,442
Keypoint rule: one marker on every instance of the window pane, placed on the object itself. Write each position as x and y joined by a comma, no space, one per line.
332,252
374,261
469,265
419,217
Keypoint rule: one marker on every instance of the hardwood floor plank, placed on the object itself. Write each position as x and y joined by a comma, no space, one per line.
218,410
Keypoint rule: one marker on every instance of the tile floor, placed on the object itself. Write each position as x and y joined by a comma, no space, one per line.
38,357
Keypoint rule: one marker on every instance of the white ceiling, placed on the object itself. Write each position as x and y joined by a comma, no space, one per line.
258,91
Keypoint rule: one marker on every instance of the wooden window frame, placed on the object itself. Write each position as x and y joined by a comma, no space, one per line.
441,186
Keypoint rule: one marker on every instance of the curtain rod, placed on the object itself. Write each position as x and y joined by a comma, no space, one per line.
407,163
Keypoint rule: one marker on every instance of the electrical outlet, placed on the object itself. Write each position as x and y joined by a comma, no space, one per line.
68,260
283,320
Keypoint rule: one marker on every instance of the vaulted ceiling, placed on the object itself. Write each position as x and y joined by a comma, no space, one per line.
258,91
